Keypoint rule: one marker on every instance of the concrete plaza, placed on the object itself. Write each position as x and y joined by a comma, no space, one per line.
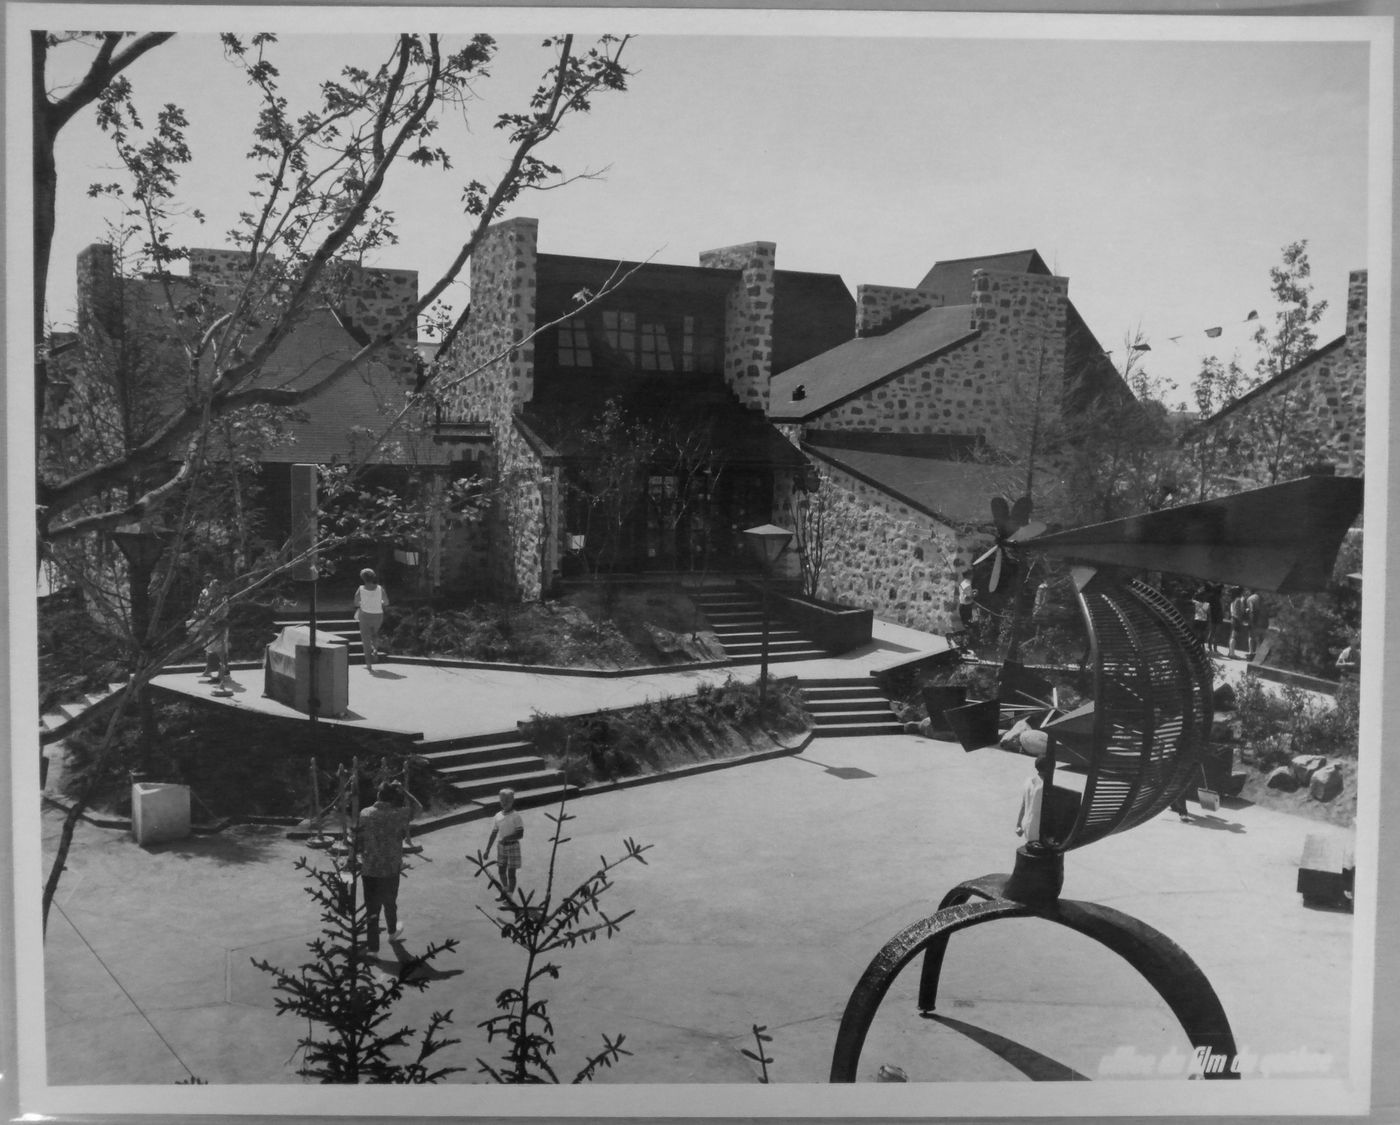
768,888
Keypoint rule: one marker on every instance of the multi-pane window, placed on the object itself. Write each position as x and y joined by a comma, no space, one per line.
656,352
573,344
700,347
621,329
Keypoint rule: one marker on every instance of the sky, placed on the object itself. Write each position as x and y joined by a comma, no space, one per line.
1160,170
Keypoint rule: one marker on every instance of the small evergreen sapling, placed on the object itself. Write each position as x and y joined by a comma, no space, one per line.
348,1003
540,926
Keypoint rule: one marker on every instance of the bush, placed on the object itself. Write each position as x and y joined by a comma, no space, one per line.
76,655
236,765
715,722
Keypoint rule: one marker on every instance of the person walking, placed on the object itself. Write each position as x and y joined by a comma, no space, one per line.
370,602
380,838
211,618
507,827
1239,626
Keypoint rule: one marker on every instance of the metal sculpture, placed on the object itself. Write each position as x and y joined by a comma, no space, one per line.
1141,739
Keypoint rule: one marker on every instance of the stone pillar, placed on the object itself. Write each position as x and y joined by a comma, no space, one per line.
748,319
99,291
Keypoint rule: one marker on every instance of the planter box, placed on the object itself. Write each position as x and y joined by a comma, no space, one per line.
837,628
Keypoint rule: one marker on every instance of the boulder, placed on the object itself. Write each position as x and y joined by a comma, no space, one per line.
1035,742
1011,740
1326,783
1282,778
1305,765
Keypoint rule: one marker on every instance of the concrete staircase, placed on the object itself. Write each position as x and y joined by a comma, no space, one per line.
848,706
337,624
55,723
736,616
478,766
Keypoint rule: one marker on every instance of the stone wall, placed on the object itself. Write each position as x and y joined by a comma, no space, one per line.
506,561
1319,410
748,319
878,305
884,555
985,386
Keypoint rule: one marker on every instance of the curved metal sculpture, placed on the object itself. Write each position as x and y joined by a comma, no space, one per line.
1142,739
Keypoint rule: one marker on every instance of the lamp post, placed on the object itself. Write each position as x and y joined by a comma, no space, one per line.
768,542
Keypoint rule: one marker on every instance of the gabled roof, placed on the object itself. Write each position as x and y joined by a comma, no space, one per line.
343,421
836,375
957,493
1264,389
953,278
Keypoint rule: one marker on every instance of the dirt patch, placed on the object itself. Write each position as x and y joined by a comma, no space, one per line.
1340,810
623,627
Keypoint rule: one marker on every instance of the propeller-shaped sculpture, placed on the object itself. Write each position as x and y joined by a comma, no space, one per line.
1142,737
1013,525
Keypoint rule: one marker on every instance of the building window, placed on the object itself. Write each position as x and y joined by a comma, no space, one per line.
656,352
700,348
621,329
573,345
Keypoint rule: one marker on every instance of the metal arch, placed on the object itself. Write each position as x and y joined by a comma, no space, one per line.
1159,960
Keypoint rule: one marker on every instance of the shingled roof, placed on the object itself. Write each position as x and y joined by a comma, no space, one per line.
847,369
952,279
957,493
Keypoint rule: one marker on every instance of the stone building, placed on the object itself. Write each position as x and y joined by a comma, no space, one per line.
129,321
1310,418
919,418
685,353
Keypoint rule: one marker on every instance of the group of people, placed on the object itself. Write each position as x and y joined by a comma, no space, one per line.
210,622
1248,619
380,836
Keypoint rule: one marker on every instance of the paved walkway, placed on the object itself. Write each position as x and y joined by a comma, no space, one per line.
440,702
767,890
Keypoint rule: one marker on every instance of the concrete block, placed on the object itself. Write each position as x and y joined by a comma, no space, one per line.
159,812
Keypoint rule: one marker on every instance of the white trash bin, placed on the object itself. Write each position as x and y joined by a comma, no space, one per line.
159,812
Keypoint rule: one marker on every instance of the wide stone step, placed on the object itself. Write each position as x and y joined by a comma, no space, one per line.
854,715
527,782
848,729
846,703
779,657
743,635
445,759
492,770
850,691
753,648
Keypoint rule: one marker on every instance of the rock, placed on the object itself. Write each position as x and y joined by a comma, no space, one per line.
1035,742
1225,697
1305,765
1326,783
1011,740
1282,778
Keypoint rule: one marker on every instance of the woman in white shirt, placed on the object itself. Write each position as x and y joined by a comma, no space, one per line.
370,603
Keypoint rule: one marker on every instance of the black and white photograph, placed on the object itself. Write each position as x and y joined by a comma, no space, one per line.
712,563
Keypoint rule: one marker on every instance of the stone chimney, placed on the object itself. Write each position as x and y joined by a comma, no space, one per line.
748,318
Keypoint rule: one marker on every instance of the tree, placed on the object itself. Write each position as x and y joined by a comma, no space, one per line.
316,213
1118,456
541,924
817,517
50,113
1267,438
346,1003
